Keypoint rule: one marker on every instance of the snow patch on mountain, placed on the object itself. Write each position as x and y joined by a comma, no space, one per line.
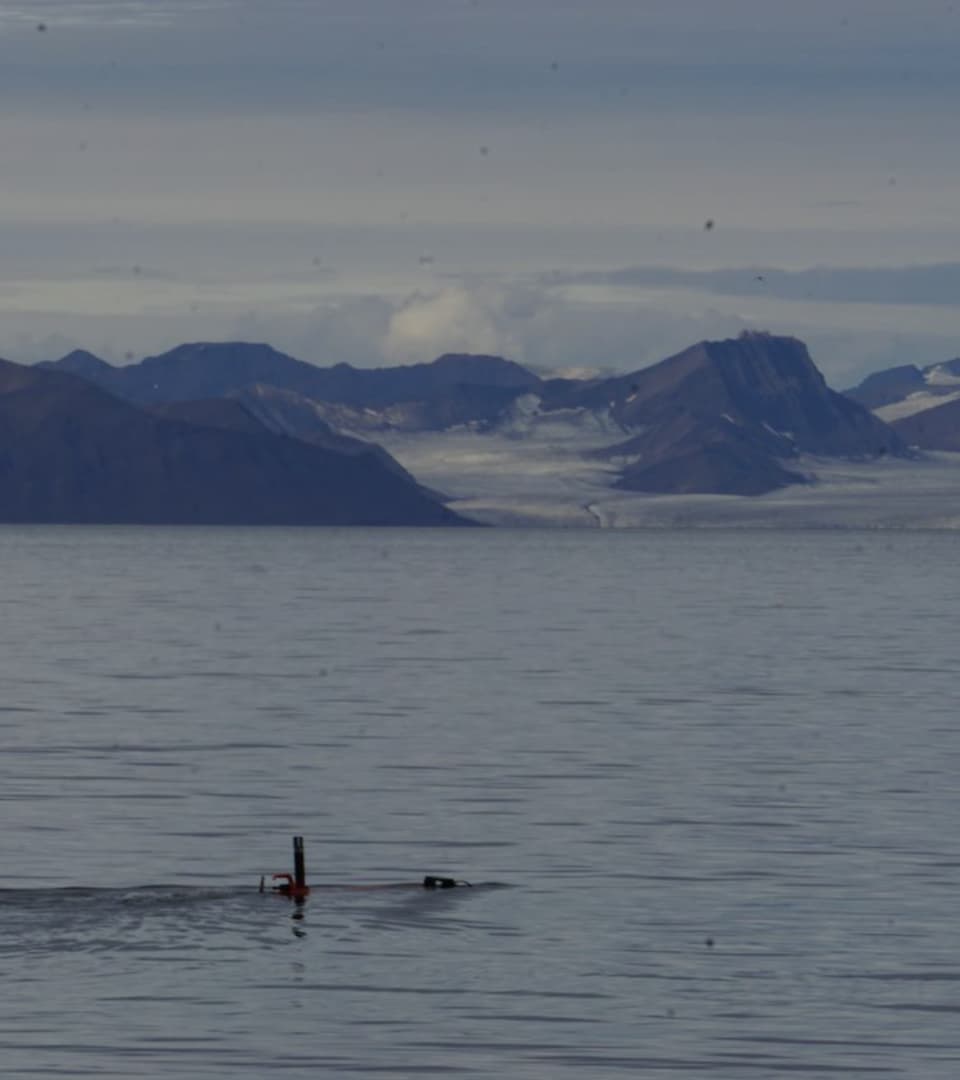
914,403
941,375
524,419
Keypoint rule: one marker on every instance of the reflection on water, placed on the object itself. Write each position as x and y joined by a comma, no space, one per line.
705,783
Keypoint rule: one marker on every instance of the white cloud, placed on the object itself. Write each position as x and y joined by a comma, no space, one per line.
455,319
541,328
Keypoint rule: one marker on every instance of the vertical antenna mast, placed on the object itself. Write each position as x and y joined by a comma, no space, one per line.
299,868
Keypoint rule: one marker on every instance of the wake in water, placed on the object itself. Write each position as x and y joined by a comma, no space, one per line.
165,917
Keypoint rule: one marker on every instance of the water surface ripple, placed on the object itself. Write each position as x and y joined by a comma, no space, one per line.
704,785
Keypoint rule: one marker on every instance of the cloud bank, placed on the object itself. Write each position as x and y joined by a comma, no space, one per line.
937,284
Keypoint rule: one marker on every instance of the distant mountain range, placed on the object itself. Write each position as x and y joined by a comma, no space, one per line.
727,417
216,370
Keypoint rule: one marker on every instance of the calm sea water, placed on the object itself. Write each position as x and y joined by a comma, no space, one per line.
705,785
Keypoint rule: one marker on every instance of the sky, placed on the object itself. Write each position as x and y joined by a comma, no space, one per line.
574,185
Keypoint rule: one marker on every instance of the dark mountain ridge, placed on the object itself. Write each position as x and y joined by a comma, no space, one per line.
217,369
723,417
757,378
69,452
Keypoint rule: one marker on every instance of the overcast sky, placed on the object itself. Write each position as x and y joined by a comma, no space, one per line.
383,180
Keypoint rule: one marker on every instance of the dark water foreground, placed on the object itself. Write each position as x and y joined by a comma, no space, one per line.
705,786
